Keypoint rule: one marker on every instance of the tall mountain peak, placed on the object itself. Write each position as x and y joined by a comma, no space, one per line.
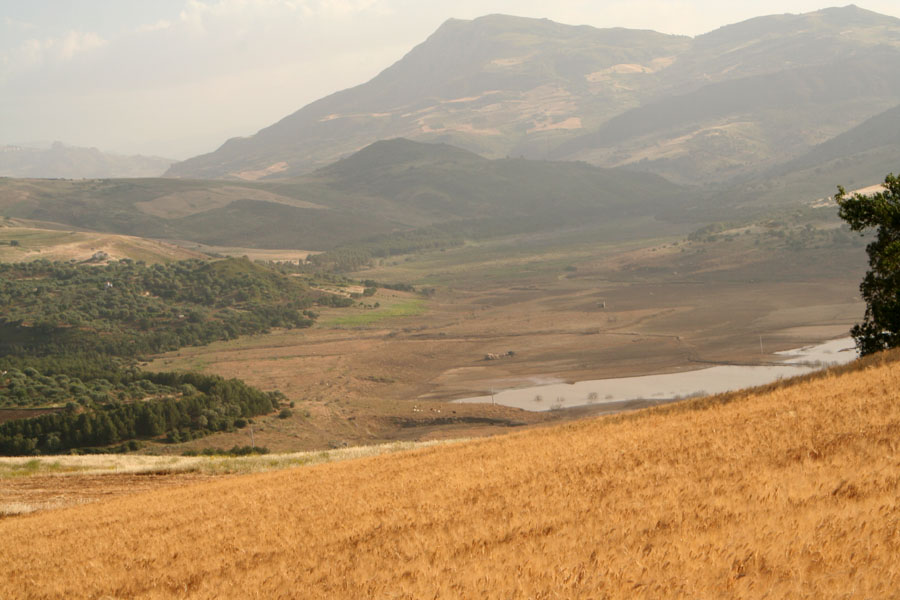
720,105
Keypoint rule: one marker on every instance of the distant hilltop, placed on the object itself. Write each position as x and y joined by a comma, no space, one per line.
732,103
58,160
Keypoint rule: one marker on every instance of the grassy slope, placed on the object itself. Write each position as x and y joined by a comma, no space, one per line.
390,186
36,243
857,158
790,491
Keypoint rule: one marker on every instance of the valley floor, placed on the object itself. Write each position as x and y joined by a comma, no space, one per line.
569,308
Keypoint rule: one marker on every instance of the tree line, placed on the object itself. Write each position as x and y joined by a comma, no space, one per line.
181,406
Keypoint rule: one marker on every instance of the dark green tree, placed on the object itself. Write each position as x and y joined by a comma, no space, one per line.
880,288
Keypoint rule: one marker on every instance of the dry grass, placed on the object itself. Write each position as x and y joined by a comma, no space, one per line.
33,484
36,243
789,492
100,464
10,509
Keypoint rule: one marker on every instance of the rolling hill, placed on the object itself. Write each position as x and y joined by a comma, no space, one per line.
784,491
731,103
857,158
878,135
389,187
23,242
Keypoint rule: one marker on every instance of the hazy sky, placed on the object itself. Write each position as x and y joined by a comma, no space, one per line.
178,77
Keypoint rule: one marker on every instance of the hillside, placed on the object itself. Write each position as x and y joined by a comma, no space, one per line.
389,187
874,139
459,86
72,162
23,242
787,491
729,103
69,335
855,159
127,308
438,182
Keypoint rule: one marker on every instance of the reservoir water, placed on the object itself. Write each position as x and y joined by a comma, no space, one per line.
671,386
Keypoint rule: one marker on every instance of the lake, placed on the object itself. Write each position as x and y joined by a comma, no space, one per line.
673,386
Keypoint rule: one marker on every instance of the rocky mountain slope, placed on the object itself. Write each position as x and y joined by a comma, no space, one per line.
732,102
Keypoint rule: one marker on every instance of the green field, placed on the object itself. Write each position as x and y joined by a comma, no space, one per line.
402,308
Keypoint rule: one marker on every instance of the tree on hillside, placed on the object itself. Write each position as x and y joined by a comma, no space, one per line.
880,288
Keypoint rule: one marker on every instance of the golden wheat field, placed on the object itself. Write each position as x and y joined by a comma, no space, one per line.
791,492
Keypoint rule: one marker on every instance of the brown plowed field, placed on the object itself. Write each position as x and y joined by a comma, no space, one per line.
791,492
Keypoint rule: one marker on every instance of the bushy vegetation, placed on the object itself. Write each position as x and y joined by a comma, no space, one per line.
354,256
181,406
451,234
880,287
69,336
128,308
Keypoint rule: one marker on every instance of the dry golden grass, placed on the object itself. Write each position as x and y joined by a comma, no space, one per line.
32,484
52,244
789,492
100,464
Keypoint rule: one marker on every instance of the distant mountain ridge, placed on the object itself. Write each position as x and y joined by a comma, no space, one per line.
880,132
728,103
72,162
857,158
392,186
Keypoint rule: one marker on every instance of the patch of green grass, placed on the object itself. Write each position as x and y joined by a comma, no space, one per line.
30,467
196,363
406,308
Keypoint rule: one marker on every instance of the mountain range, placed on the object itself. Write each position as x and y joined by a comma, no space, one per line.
730,104
59,160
